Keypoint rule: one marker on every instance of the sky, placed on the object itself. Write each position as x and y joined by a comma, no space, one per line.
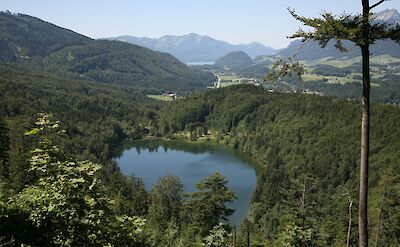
234,21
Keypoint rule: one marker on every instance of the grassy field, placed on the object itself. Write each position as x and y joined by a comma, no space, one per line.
384,59
376,72
341,63
159,97
229,80
338,63
330,79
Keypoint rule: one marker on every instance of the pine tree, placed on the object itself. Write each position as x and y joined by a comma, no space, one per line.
206,207
363,30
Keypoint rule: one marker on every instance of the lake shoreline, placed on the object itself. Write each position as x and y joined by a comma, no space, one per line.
153,157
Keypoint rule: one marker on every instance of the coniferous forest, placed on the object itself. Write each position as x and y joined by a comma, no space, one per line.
68,103
307,146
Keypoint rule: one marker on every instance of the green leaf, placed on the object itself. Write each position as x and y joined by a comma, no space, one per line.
32,132
77,180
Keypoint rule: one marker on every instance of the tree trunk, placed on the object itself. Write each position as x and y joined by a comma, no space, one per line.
234,237
363,201
363,198
349,227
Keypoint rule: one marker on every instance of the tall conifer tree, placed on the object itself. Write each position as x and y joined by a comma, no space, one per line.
363,30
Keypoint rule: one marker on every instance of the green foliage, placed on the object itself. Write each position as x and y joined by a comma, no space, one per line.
295,136
166,201
282,68
174,220
295,236
206,207
344,27
96,118
218,237
130,195
67,205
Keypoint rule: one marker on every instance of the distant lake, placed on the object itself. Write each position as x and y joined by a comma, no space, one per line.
200,63
191,162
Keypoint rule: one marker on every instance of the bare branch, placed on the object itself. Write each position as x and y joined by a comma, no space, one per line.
304,42
12,240
377,4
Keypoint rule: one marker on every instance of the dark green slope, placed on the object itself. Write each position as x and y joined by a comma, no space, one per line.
23,36
96,116
123,63
43,46
237,59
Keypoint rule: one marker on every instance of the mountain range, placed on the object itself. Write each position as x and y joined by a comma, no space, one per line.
34,43
195,47
312,50
199,48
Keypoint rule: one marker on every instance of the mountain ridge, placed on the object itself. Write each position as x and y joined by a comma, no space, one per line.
194,47
391,16
34,43
23,36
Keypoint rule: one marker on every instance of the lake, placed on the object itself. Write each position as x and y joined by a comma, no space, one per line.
191,162
200,63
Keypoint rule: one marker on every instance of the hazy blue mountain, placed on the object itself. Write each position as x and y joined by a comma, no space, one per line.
236,59
196,48
40,45
391,16
312,50
255,49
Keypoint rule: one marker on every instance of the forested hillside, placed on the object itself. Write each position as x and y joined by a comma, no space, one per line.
309,148
24,36
125,64
96,117
307,145
68,102
41,45
52,194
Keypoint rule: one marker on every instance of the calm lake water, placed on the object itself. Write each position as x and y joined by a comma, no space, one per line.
200,63
152,159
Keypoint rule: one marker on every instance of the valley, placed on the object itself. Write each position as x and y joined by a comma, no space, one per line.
339,77
131,141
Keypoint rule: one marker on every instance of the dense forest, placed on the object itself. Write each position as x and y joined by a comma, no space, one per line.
306,144
68,102
95,204
309,148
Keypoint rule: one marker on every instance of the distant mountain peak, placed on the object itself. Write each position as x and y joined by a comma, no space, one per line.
388,15
194,35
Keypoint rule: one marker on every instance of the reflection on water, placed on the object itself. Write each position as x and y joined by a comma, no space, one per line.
152,159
